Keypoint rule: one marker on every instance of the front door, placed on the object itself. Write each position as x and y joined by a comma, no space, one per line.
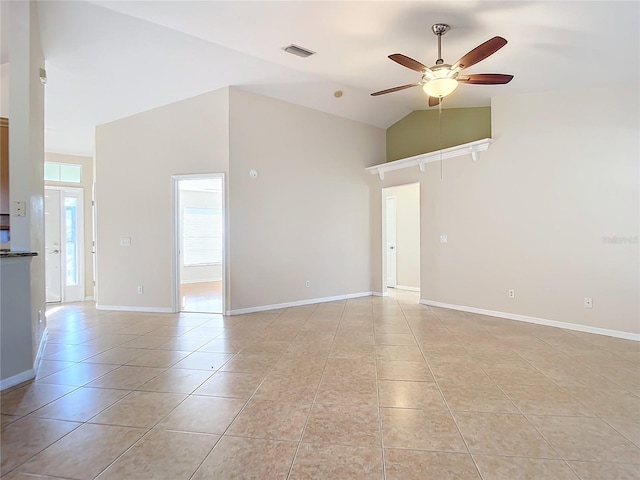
391,242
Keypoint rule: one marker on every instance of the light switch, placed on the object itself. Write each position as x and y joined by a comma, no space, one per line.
19,209
125,241
443,239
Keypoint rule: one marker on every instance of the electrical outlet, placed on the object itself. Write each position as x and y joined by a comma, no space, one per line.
307,283
512,293
588,302
140,289
125,241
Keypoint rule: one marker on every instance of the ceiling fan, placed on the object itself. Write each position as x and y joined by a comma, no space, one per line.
441,79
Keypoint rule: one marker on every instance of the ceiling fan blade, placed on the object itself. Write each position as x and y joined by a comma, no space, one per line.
433,101
481,52
486,79
395,89
408,62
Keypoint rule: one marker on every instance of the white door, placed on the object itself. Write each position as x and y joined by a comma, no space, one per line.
64,240
391,241
53,247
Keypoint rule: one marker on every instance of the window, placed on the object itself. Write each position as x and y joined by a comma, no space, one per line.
202,236
62,172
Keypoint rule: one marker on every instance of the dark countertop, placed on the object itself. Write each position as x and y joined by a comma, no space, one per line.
10,254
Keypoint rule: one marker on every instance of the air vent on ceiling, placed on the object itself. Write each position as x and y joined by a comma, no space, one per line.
299,51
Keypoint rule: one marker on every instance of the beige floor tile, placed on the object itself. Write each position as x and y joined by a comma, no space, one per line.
230,384
420,465
81,404
146,341
605,471
183,343
346,391
343,425
502,434
164,455
25,437
200,414
459,372
15,475
117,356
176,380
519,468
269,419
126,377
48,367
282,387
250,363
540,400
587,439
608,402
421,430
481,397
404,353
353,351
204,361
628,427
30,397
7,419
76,353
158,358
516,374
221,345
94,447
398,370
403,394
139,409
247,458
337,462
78,374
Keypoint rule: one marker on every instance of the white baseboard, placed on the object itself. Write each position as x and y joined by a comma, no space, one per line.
120,308
536,320
411,289
89,299
380,294
299,303
201,280
17,378
40,352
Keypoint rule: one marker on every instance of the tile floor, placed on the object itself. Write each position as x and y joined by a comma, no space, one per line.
366,388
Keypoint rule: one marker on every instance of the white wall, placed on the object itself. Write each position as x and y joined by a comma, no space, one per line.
26,150
135,159
407,234
307,214
532,213
4,90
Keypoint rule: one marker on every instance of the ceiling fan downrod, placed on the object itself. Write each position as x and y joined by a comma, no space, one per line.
440,29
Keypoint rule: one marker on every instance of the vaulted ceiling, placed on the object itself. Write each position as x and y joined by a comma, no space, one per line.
110,59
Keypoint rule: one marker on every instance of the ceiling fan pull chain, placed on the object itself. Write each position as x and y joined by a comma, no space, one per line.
440,134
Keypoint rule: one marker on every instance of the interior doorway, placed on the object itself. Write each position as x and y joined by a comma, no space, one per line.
401,238
199,225
64,244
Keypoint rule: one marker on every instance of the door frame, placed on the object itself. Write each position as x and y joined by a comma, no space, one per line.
386,245
175,235
383,200
79,193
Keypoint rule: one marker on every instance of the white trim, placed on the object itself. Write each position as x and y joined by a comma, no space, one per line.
17,378
89,299
380,294
298,303
40,352
538,321
472,148
411,289
120,308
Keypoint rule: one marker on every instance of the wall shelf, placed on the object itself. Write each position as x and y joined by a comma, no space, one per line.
471,148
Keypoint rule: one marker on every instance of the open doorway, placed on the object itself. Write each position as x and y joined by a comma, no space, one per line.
401,238
199,253
64,252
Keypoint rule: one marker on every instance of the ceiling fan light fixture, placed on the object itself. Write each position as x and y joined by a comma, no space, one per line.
440,87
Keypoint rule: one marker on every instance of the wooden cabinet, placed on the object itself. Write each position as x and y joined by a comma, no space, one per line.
4,173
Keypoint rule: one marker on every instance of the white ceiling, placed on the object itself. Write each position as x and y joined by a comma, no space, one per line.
110,59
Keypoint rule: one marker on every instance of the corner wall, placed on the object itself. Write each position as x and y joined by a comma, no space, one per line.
135,159
550,210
